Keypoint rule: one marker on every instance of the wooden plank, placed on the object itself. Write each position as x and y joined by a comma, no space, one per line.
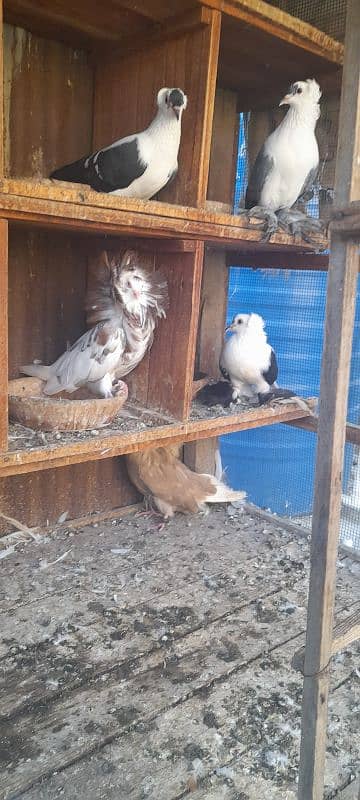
188,61
352,432
2,93
78,490
200,456
278,260
224,142
172,355
47,104
82,24
108,443
49,202
47,279
342,281
3,335
346,632
280,25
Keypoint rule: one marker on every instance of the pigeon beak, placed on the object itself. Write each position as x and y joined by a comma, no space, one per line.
176,110
229,328
286,100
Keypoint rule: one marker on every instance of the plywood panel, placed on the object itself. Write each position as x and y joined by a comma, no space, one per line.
171,361
48,90
224,147
125,100
80,489
47,277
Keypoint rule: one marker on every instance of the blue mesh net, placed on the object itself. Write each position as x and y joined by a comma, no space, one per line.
276,464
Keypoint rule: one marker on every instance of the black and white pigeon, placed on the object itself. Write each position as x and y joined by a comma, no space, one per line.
249,362
138,165
123,304
286,166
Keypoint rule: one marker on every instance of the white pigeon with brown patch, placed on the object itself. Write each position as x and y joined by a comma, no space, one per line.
171,486
125,293
123,305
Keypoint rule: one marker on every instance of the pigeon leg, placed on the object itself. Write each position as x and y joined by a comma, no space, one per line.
117,387
299,225
269,222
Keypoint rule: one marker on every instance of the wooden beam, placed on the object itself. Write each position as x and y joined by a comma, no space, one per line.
345,633
200,456
113,442
63,205
278,260
340,310
3,334
352,432
282,26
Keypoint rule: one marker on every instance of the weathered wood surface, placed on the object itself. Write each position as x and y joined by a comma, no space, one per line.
71,449
85,24
148,663
48,96
340,310
4,335
58,203
188,61
352,432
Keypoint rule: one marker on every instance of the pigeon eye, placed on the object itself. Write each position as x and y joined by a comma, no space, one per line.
298,90
239,321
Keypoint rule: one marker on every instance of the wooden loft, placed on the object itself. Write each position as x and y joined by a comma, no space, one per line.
67,90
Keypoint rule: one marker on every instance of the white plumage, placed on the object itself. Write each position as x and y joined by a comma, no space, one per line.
90,362
286,166
138,165
123,304
247,360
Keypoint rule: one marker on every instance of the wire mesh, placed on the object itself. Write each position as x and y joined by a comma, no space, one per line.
276,464
326,15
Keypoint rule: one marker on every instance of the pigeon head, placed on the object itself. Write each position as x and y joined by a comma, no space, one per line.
139,291
172,101
244,324
302,93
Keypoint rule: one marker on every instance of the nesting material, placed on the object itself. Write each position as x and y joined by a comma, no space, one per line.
79,411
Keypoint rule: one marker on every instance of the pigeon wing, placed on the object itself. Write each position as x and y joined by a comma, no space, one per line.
117,166
261,170
89,359
271,373
306,191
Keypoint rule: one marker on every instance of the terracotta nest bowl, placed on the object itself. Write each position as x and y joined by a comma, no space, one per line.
79,411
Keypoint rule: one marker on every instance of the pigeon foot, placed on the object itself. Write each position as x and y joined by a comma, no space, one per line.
299,225
269,221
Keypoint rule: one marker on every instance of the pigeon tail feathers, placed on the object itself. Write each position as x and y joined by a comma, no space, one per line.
73,173
222,493
36,371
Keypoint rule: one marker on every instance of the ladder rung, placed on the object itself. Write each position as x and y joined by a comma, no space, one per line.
345,633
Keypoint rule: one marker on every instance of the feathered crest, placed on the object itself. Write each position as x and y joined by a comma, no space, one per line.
106,276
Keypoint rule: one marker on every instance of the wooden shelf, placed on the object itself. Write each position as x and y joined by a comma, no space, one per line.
59,205
271,37
49,452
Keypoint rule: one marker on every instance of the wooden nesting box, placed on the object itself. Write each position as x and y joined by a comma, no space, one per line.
76,77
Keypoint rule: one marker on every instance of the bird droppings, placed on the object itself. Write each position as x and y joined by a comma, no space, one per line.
22,438
184,684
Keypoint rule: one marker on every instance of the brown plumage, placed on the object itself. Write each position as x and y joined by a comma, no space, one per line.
162,478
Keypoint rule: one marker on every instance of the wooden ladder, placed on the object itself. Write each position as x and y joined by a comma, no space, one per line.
322,642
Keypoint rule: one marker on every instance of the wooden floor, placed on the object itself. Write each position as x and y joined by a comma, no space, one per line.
147,665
